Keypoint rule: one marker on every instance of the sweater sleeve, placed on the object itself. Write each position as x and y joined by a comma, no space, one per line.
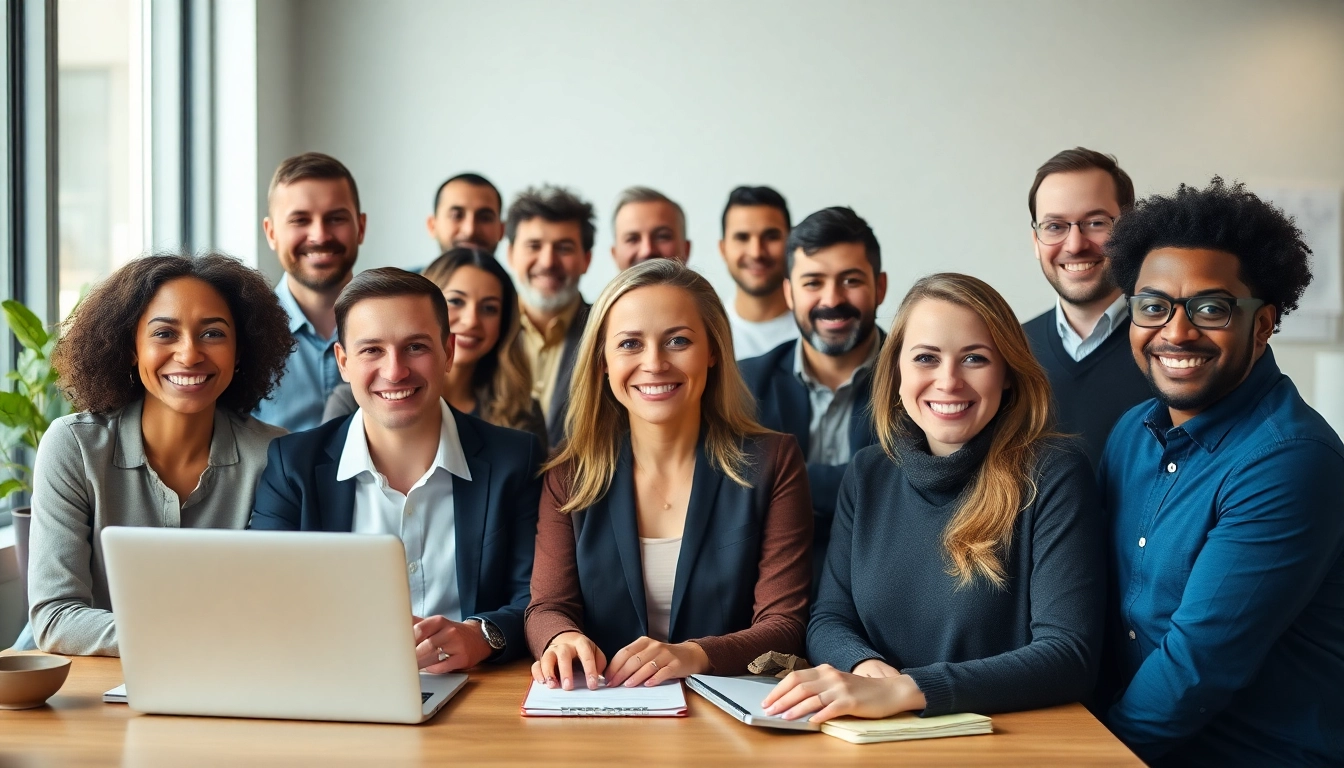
784,577
60,589
1067,590
557,602
836,635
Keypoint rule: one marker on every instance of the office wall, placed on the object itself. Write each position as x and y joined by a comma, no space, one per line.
928,118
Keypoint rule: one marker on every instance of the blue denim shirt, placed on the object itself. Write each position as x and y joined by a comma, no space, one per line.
1227,550
310,374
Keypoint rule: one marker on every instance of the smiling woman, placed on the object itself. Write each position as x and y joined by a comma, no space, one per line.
165,359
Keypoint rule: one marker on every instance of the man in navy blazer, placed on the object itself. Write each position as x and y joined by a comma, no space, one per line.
819,388
461,494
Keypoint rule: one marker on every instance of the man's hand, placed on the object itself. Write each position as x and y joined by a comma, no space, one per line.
464,644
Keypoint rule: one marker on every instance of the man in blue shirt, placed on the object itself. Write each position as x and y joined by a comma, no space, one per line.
315,227
1227,531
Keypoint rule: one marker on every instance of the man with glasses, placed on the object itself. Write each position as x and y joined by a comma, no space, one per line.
1226,639
1074,201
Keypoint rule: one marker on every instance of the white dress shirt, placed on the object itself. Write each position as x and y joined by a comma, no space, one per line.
423,519
1076,345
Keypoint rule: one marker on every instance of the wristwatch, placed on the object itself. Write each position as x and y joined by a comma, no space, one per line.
493,637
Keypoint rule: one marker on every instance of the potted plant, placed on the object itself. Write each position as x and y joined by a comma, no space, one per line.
25,413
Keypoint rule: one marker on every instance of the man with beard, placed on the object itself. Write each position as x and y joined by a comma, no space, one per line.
1076,198
755,224
1227,535
818,388
551,233
648,225
315,227
467,214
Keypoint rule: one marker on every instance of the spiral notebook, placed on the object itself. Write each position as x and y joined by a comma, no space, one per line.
667,700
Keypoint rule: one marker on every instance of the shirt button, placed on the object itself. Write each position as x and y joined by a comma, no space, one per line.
1143,542
1171,468
1131,634
416,566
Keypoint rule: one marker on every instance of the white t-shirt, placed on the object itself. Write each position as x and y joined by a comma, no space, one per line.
755,339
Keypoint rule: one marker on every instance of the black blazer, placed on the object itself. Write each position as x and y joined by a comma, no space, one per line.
741,585
555,418
782,404
495,512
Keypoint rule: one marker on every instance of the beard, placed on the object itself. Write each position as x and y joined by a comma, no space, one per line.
1224,377
834,347
767,287
1082,295
327,278
554,302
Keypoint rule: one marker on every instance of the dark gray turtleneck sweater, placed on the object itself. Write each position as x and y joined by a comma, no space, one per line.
886,592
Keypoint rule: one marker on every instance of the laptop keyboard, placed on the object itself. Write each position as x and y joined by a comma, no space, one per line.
424,696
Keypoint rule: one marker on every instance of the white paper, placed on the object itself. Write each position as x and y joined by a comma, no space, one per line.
663,699
1319,213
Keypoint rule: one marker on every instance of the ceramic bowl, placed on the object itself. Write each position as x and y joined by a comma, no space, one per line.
28,680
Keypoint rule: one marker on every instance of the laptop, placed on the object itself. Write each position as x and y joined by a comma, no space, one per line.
294,626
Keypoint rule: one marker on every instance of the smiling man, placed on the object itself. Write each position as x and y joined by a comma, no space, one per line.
468,213
1227,535
818,388
648,225
1074,201
755,226
315,227
460,493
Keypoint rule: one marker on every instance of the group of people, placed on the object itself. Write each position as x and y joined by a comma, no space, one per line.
1122,501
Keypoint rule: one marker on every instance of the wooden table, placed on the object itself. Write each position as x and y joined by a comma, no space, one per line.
482,726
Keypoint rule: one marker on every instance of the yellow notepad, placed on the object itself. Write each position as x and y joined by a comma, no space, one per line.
906,726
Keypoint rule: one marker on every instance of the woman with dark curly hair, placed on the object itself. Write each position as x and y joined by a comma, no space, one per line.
164,360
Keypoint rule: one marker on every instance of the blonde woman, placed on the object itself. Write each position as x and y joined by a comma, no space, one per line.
966,569
674,532
490,377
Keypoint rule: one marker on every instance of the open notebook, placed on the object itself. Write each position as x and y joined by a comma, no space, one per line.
667,700
906,726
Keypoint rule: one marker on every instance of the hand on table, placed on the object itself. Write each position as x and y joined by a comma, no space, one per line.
463,644
876,668
556,665
830,693
649,662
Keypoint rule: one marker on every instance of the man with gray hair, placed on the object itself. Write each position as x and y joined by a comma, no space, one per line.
648,225
550,232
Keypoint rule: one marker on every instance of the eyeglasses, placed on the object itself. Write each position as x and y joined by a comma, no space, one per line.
1149,310
1056,231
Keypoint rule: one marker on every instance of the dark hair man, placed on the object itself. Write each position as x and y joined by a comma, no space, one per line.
1074,201
755,226
818,388
1227,537
551,233
460,493
648,225
315,226
468,213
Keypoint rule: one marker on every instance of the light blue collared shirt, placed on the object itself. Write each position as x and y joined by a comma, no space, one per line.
297,401
1076,345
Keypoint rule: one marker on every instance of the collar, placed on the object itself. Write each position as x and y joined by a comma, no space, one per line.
130,450
355,458
809,381
558,325
1209,428
1108,322
297,320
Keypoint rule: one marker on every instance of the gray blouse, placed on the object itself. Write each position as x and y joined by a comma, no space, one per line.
90,473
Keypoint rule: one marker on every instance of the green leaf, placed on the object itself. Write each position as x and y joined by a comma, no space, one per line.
17,411
32,367
11,486
26,326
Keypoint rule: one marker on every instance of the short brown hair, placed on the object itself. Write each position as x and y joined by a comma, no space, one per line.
554,204
312,165
97,351
1084,159
389,282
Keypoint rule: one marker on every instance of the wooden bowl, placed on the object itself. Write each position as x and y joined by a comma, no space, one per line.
28,680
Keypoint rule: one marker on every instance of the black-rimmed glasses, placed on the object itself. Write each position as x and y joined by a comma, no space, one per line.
1056,231
1151,310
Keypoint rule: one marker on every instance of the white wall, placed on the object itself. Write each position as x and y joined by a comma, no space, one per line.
928,118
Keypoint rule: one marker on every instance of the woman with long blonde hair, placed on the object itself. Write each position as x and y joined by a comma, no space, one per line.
966,571
674,532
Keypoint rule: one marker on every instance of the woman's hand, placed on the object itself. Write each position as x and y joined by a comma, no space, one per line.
876,668
649,662
556,665
832,693
461,645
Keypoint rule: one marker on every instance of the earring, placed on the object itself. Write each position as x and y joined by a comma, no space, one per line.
132,374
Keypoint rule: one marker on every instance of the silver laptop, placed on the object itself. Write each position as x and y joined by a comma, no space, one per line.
298,626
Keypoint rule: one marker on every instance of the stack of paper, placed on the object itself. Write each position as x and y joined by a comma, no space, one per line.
906,726
667,700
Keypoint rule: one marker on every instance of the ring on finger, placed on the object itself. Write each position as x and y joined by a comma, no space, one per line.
641,661
654,664
443,656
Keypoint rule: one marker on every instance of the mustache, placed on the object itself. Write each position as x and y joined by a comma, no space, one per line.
333,247
838,312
